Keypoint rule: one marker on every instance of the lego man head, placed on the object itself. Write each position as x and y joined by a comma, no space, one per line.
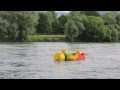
78,52
64,51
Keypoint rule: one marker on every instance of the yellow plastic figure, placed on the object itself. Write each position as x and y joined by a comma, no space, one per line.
78,52
60,56
73,57
63,56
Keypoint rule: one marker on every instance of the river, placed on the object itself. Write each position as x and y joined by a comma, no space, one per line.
35,61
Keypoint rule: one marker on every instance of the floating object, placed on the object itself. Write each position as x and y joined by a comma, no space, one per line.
63,56
81,56
60,56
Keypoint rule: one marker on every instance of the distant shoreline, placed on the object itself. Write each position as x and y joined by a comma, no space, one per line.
57,38
53,38
46,38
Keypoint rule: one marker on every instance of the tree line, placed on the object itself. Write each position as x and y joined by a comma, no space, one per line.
77,25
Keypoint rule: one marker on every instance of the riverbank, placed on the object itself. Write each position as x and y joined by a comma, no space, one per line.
52,38
46,38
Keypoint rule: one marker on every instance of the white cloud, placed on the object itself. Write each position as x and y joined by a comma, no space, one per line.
59,13
62,11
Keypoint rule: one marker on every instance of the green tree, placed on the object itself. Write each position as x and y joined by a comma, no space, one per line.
19,24
112,21
110,18
71,30
114,33
58,25
57,29
118,19
12,32
27,22
44,24
74,13
94,29
52,15
3,28
81,29
90,13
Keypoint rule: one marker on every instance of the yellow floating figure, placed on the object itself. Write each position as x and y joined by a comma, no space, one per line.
63,56
73,57
60,56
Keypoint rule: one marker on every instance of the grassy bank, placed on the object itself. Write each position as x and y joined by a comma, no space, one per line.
46,38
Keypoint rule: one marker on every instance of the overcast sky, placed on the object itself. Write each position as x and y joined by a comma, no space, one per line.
65,12
59,13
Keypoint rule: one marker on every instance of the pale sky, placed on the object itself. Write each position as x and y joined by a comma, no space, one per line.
65,11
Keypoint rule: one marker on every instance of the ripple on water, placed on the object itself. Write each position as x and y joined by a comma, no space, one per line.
35,60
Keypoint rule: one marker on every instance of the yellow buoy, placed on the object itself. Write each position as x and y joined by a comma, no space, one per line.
73,57
63,56
60,56
78,52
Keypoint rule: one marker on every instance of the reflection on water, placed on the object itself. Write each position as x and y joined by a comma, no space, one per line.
35,60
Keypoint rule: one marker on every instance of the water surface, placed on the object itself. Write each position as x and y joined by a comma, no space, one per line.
35,61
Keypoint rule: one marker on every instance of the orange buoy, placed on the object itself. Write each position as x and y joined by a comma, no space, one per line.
81,56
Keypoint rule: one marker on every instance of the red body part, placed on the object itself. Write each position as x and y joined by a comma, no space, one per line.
81,57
